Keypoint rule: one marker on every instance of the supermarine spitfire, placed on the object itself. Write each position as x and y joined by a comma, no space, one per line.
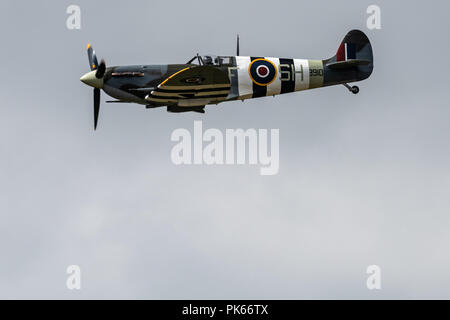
206,80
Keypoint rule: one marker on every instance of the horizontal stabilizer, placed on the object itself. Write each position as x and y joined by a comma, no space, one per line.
348,64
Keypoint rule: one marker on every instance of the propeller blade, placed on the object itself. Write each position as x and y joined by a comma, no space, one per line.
101,70
93,62
96,106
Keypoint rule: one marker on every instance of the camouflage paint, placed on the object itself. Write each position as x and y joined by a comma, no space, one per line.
193,86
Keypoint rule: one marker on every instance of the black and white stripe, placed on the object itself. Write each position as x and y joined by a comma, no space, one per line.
287,85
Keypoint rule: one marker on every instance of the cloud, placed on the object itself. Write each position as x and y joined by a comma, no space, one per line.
362,179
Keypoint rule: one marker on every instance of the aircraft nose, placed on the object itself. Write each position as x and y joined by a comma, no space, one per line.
91,80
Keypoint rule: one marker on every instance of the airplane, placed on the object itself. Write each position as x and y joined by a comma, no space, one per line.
207,80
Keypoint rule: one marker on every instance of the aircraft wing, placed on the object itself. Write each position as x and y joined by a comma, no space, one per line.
193,86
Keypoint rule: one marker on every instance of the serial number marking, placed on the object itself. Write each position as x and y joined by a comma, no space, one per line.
316,72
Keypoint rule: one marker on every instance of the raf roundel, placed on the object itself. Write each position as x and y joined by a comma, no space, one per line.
262,72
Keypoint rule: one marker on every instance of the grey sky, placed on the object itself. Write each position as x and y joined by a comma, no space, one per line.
363,179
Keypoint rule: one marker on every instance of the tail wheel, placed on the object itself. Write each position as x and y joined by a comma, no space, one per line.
355,90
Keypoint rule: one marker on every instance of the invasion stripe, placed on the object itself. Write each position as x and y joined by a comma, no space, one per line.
200,87
187,98
192,90
176,100
187,93
233,74
258,91
287,85
148,98
179,102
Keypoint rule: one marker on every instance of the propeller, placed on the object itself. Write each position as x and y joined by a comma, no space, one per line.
93,62
96,106
101,70
95,80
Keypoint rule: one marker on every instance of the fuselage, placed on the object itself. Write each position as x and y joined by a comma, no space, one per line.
215,79
249,77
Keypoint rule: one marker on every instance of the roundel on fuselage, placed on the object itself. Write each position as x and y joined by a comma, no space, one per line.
262,72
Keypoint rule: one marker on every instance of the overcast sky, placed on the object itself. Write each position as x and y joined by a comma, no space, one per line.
363,179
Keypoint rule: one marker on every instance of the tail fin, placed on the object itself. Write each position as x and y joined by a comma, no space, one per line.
353,60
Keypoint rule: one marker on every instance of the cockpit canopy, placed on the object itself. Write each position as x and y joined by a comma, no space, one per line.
212,60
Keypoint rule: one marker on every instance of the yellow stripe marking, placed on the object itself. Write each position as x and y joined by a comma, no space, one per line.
162,83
